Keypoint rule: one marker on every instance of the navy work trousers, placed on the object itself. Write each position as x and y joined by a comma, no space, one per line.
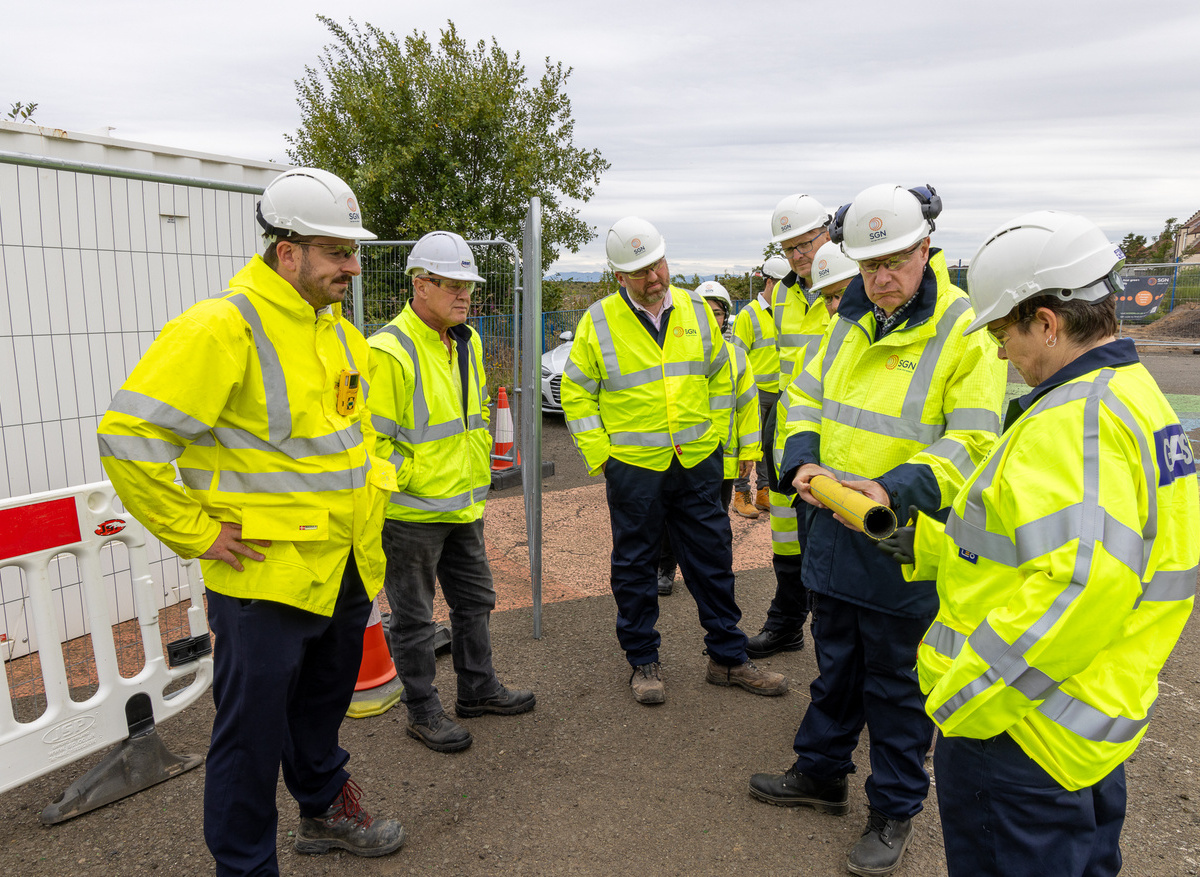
418,553
866,662
687,503
789,606
1004,816
282,682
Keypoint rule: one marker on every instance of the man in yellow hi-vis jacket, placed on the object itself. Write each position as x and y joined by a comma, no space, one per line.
1065,572
257,397
430,408
647,399
899,406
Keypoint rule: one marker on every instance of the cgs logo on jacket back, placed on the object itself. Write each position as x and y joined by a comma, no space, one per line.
1175,457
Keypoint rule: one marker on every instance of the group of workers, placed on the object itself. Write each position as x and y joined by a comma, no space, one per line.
1041,576
1046,562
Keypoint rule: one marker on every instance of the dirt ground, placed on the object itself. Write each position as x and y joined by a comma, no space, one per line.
591,783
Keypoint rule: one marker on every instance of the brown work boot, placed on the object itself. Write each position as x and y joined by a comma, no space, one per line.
747,676
743,506
762,500
647,686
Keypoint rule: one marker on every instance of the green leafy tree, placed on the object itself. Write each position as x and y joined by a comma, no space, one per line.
443,135
1133,246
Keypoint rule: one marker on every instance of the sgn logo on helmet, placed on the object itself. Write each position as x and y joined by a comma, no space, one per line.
636,243
352,206
878,232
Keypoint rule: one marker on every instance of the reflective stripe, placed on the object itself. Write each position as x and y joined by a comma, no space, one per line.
898,427
809,385
385,425
717,362
973,418
1170,585
294,447
293,482
954,451
837,335
922,377
762,343
721,401
1005,663
138,449
583,424
660,439
782,511
423,431
440,504
160,414
792,340
747,397
785,537
944,640
573,372
741,344
1090,723
279,410
604,340
196,479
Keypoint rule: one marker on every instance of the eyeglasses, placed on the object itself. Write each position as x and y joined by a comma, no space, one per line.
893,263
803,246
454,287
1000,339
643,273
338,252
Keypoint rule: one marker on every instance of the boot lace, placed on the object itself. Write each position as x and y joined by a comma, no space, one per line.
347,807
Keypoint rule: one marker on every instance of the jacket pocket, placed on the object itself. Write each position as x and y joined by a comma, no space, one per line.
286,524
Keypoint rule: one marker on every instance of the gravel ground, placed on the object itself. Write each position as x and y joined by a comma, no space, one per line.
590,782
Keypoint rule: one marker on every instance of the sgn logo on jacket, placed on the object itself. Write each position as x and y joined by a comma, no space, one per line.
1175,458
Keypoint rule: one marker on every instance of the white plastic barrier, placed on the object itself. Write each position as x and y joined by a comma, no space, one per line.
80,521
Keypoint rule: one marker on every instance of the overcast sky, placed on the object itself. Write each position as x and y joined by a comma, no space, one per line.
709,112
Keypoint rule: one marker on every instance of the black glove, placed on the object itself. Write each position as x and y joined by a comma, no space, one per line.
900,545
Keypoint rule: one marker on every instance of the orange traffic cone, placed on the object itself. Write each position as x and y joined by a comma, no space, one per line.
378,689
503,445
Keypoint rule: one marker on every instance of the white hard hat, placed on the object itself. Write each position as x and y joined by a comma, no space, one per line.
885,219
310,201
445,254
830,265
795,215
1042,253
711,289
633,243
776,267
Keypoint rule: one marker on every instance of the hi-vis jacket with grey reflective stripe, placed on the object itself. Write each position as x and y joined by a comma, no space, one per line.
430,411
1066,572
624,396
754,332
241,392
915,411
742,441
799,325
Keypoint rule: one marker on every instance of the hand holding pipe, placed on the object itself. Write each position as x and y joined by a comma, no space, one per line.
856,509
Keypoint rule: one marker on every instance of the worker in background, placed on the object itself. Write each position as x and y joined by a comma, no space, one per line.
832,271
431,413
1065,573
754,333
646,395
257,395
898,405
741,444
799,227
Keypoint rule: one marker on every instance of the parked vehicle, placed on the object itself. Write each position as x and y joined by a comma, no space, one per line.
553,363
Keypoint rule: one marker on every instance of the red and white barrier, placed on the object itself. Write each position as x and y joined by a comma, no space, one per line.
81,521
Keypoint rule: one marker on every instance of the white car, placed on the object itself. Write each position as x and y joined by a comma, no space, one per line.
553,363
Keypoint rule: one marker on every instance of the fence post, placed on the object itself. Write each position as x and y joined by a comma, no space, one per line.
531,400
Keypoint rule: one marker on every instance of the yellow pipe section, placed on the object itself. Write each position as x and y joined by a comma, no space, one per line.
857,509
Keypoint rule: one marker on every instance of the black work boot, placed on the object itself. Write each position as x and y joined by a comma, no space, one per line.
439,733
794,789
771,642
881,847
347,826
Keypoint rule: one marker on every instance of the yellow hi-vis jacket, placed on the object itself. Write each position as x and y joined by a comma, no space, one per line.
1066,571
754,332
915,410
241,393
742,442
623,396
430,409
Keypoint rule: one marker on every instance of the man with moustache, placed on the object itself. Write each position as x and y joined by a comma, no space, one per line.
647,398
